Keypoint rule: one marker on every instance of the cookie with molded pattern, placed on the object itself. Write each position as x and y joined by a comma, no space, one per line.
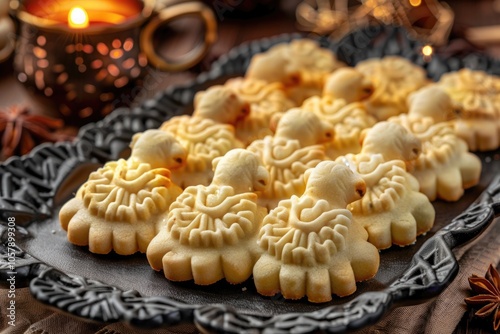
121,204
211,231
265,100
445,168
312,244
207,134
301,66
393,211
348,122
394,78
296,146
477,96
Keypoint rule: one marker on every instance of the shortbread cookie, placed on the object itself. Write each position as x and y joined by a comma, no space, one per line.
478,96
394,79
348,121
294,148
207,134
120,206
312,245
432,101
445,167
393,211
349,84
211,232
301,65
265,99
221,104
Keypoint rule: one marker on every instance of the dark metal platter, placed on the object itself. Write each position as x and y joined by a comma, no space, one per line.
113,288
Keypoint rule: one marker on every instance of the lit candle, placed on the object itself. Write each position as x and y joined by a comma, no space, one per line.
427,52
78,18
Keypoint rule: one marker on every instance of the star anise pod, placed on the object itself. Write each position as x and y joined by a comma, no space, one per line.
488,295
21,131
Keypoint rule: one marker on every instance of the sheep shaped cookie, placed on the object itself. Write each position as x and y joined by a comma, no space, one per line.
312,245
394,78
296,147
349,84
340,106
120,206
211,232
301,65
445,167
348,121
393,211
266,100
432,101
477,94
207,134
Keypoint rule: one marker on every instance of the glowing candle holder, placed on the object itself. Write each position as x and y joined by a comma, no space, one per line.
84,55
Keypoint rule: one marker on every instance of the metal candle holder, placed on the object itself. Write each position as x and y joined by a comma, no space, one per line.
84,70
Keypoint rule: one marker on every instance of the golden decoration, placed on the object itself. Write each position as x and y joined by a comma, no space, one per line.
429,20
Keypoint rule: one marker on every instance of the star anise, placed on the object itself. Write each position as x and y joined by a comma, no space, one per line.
488,295
21,131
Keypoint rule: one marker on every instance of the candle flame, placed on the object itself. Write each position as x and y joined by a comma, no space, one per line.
78,18
427,50
415,3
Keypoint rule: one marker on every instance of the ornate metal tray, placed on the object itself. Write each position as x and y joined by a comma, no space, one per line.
113,288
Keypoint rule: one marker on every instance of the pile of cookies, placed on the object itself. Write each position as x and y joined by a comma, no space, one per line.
296,174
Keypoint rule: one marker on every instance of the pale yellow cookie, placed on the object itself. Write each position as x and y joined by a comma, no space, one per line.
265,99
211,232
120,206
445,167
348,121
312,245
301,65
478,96
204,140
207,134
432,101
394,79
349,84
294,148
221,104
393,211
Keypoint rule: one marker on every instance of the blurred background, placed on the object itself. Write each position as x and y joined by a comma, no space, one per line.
461,25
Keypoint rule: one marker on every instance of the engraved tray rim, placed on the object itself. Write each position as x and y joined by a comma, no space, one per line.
31,199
